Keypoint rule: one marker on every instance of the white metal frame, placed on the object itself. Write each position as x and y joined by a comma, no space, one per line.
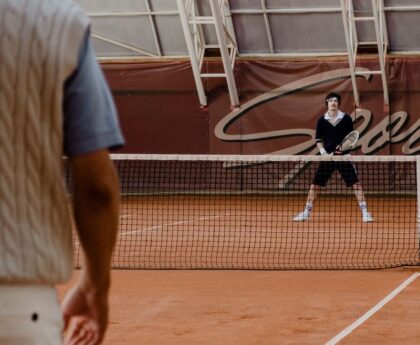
221,18
192,23
352,42
149,13
265,11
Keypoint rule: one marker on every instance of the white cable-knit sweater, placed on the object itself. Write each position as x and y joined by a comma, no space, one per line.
39,47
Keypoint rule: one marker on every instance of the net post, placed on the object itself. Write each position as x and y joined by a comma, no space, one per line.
418,200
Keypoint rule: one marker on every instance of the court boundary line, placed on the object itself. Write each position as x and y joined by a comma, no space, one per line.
157,227
344,333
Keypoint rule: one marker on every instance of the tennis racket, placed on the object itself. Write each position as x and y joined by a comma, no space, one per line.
348,142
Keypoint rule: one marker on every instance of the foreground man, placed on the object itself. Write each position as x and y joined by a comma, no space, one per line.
53,101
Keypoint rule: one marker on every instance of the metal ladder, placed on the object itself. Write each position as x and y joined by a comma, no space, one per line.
192,23
377,17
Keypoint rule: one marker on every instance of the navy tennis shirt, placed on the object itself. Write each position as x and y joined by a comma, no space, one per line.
331,135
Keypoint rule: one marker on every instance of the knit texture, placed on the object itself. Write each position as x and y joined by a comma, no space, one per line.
39,46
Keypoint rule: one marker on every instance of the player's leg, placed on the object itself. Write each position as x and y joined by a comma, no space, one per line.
358,191
305,214
322,175
351,179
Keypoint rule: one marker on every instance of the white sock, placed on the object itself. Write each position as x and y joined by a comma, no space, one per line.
308,207
363,207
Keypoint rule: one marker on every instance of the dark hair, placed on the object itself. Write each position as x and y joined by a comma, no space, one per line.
332,95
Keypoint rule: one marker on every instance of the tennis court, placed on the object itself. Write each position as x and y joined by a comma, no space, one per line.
213,212
257,232
262,307
208,253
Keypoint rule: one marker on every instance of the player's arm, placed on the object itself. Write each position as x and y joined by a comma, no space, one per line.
318,138
96,204
90,129
321,148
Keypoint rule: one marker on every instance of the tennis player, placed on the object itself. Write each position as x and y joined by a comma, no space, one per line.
53,100
331,129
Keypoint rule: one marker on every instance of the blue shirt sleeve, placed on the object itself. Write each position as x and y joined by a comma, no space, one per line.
90,118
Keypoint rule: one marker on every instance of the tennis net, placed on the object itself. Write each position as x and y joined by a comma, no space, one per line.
239,212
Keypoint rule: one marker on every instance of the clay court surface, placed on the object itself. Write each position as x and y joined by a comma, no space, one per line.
261,307
257,232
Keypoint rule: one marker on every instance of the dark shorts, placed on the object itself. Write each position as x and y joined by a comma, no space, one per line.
326,169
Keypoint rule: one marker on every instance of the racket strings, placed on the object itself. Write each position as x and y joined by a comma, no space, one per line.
349,141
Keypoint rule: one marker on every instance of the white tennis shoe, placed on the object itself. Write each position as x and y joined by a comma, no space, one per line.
367,217
302,216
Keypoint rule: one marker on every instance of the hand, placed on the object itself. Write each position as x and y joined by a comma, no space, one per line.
323,152
85,315
338,153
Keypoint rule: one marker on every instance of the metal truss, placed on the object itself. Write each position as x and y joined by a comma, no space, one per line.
192,25
377,18
125,14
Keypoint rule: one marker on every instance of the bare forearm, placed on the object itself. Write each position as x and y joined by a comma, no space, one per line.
96,214
96,221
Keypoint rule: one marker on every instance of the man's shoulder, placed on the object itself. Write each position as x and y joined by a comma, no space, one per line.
347,117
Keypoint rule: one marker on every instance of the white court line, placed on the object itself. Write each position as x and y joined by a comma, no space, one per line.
372,311
157,227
